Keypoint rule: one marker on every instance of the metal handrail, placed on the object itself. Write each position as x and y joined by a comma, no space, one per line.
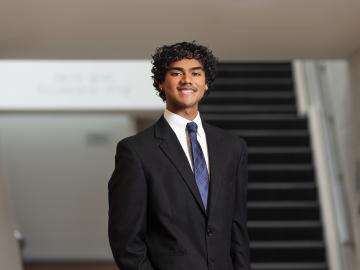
333,153
314,97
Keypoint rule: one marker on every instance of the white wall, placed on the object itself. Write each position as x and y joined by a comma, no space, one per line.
354,187
60,122
58,167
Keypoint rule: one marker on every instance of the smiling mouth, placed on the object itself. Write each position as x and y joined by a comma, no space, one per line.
186,89
186,92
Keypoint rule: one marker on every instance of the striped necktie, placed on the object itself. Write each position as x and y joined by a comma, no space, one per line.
200,168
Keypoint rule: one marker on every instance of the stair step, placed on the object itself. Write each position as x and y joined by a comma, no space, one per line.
279,158
248,100
281,167
290,266
282,224
281,173
279,150
274,138
248,108
271,133
257,81
298,233
282,185
287,251
256,121
282,204
252,94
241,72
285,234
288,155
287,244
253,117
263,83
279,213
254,66
253,87
280,141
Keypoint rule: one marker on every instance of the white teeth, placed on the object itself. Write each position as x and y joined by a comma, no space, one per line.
187,91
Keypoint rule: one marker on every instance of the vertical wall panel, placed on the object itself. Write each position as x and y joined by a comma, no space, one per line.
58,166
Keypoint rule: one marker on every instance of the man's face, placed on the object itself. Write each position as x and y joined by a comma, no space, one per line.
184,85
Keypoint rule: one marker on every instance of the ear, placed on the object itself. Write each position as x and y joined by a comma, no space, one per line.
206,87
161,86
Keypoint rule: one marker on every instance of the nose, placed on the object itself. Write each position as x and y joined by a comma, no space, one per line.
186,78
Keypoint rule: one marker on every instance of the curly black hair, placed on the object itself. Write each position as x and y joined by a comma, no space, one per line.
168,54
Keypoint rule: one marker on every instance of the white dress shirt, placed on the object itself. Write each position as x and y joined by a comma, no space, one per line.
178,125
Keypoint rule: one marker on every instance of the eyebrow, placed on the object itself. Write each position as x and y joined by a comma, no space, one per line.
181,69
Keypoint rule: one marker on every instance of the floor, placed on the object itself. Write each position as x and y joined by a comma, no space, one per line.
70,266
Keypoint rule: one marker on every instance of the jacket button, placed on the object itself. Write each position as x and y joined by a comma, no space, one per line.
209,232
212,262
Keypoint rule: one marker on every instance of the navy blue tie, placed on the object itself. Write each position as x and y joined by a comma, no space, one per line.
200,168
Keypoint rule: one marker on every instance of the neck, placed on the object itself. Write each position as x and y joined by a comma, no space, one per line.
189,113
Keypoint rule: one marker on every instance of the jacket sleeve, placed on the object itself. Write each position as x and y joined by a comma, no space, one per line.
240,251
127,210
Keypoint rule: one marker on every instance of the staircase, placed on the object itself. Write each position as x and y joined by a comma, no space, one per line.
256,101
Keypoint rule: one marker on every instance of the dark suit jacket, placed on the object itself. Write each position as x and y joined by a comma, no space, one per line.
156,217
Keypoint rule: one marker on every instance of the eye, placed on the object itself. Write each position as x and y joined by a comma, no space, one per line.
175,73
196,73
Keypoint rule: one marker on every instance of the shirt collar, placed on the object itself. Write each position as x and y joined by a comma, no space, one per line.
178,123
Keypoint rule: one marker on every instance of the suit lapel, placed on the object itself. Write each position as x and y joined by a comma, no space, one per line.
214,145
171,147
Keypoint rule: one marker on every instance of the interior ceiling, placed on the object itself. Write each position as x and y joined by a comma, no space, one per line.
233,29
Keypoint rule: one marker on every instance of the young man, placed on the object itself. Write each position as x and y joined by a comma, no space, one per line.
177,196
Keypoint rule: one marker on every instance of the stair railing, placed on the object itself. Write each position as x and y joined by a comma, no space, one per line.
11,259
314,102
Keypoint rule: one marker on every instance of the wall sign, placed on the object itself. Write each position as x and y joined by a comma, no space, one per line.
77,85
